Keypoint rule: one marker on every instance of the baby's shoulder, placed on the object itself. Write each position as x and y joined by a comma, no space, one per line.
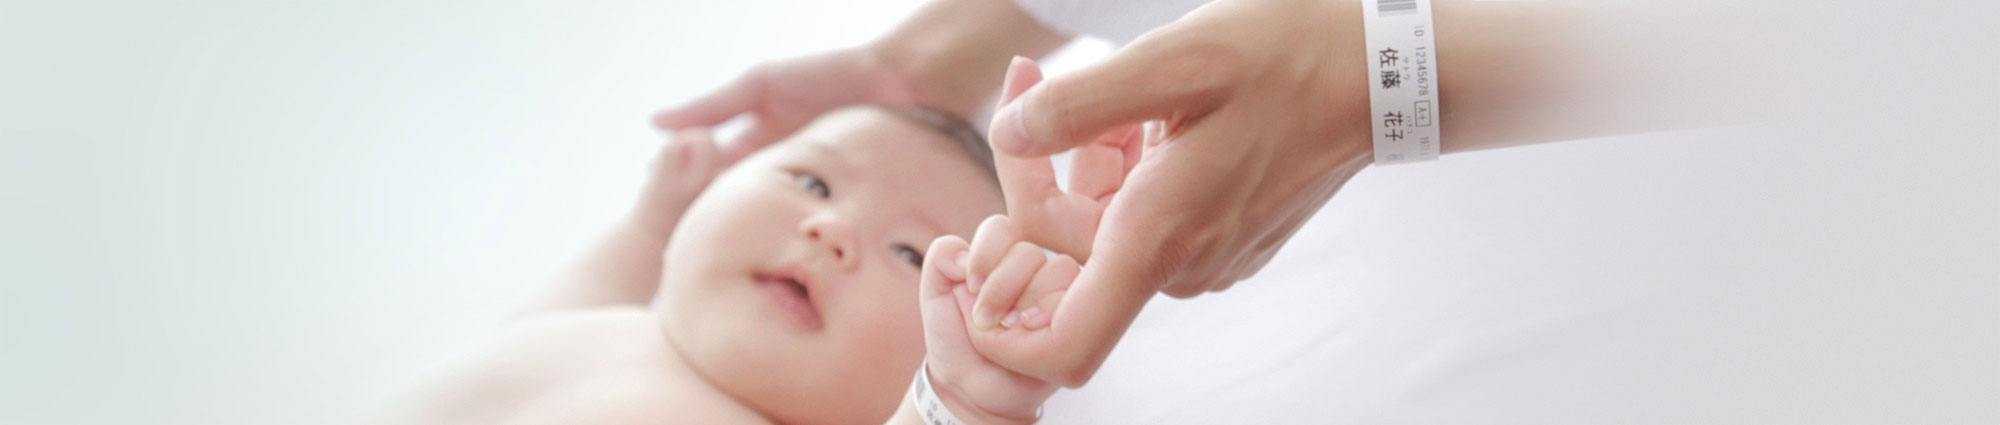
607,365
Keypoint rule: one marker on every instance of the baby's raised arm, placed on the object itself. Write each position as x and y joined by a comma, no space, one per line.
624,268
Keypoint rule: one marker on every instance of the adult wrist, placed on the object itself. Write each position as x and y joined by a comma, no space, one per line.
1348,103
910,64
953,53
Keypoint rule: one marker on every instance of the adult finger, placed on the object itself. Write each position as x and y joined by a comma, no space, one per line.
734,98
1056,219
760,134
1154,78
1162,219
1026,182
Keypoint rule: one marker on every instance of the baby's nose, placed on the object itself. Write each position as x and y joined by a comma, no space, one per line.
833,234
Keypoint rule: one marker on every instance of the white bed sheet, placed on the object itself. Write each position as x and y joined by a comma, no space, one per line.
1809,276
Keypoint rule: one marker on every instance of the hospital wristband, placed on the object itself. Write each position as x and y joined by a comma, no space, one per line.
1402,79
929,407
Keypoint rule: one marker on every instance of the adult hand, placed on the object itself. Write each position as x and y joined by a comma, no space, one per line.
784,95
948,55
1266,115
1263,107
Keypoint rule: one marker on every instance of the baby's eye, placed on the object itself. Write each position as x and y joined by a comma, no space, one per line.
910,254
812,183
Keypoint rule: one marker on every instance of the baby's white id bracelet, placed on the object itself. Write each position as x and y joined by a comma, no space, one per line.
929,407
1402,79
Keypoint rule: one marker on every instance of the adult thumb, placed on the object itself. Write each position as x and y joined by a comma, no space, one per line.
1144,82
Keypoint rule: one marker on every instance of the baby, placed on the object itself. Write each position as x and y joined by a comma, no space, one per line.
788,291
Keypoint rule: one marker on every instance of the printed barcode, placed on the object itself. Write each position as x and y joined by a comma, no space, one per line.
1395,7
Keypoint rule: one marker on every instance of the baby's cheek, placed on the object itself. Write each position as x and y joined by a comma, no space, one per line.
881,341
891,324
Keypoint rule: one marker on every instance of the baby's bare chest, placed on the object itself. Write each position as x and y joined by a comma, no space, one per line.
613,370
637,398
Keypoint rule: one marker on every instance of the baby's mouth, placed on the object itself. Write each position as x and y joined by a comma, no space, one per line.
791,295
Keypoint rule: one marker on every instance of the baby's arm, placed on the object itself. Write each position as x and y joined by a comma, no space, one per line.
624,268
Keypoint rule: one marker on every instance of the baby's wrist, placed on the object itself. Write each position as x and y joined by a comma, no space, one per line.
935,403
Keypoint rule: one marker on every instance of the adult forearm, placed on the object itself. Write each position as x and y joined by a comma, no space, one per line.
955,51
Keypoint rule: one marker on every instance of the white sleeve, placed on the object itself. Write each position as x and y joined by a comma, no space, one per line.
1116,20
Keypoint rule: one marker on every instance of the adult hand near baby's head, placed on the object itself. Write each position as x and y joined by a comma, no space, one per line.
1263,106
784,95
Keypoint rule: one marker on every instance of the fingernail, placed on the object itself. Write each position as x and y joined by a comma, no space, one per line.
1012,320
963,259
1011,133
982,317
1031,313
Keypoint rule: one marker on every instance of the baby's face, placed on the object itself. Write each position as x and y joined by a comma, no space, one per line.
791,283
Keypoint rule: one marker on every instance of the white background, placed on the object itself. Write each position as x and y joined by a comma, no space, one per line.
276,212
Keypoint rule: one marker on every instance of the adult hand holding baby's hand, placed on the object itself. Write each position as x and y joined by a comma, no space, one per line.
993,299
973,387
1265,117
1013,312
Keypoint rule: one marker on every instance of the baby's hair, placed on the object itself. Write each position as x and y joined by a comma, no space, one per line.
951,126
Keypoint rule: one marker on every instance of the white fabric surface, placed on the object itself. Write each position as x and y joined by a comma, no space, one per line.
1115,20
1808,277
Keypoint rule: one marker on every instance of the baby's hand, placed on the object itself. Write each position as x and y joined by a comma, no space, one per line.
1017,285
970,385
1018,289
686,163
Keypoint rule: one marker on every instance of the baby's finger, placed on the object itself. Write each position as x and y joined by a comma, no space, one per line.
700,156
989,244
1045,292
685,165
946,343
1004,286
943,321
